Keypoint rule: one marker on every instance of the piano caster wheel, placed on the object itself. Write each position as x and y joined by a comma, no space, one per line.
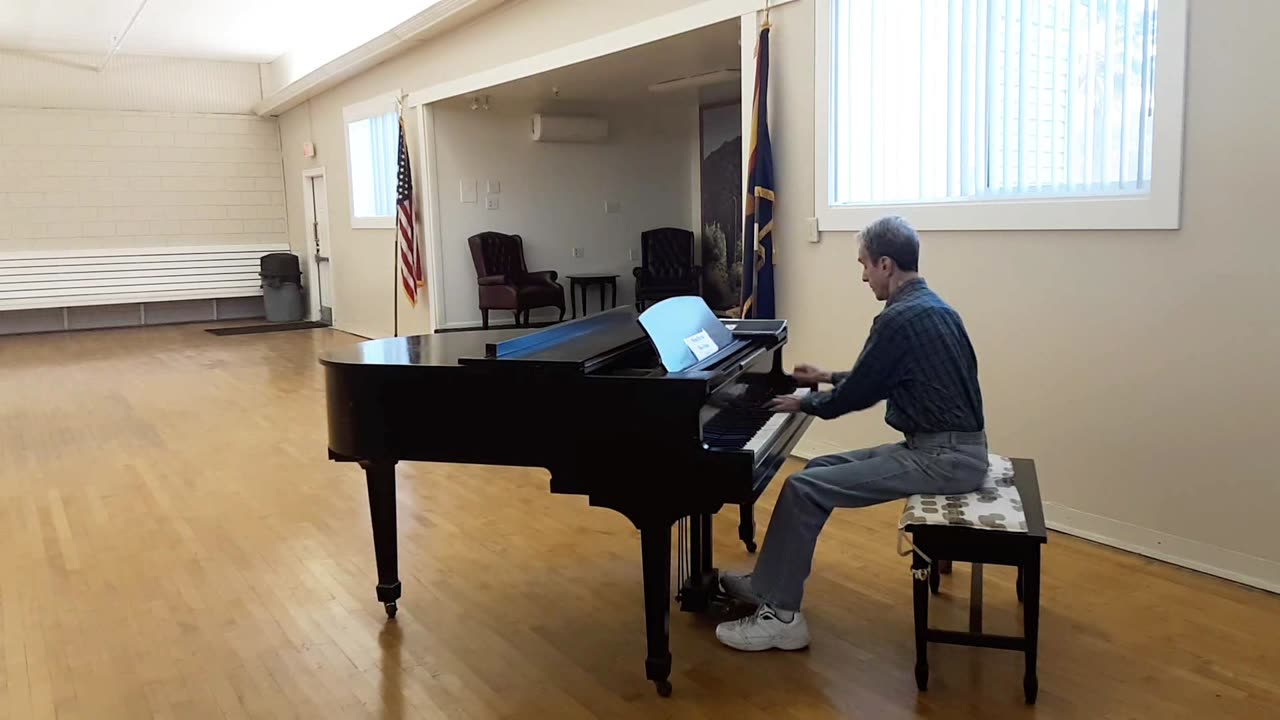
391,610
751,546
664,687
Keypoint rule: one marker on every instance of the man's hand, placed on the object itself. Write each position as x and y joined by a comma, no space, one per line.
810,375
784,404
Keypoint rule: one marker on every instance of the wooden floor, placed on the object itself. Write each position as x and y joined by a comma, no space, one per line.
174,543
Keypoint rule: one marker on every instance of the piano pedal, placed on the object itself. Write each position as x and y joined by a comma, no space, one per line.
699,594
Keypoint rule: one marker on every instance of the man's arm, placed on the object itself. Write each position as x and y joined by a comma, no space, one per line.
867,383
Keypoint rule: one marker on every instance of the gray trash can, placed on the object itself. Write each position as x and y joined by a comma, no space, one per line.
281,287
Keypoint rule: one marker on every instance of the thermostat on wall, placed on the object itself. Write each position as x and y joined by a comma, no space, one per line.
308,150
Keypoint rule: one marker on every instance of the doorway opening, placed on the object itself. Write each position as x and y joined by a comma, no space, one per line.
319,257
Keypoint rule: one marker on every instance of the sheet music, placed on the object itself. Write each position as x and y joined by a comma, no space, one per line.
672,323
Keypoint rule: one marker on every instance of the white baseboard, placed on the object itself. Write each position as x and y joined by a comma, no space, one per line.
495,325
1210,559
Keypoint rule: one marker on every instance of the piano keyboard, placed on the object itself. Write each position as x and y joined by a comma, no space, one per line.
747,429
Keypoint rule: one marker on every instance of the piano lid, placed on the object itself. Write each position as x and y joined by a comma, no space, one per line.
572,345
440,350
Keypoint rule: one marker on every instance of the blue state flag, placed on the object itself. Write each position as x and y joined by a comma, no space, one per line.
757,230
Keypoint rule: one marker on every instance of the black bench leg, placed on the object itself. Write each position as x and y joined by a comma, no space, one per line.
747,526
935,578
975,599
1018,584
920,584
1031,621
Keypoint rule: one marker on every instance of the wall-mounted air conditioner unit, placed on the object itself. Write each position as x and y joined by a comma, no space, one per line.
568,128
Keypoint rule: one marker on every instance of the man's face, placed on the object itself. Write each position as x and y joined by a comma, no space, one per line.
875,273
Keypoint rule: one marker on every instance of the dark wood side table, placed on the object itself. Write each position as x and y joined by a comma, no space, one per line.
1021,550
584,281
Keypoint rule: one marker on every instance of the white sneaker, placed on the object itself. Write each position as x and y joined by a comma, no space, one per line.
764,630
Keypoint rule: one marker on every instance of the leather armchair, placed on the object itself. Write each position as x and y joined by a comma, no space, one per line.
505,283
666,267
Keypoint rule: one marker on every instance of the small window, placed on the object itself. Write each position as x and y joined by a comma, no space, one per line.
1003,113
372,147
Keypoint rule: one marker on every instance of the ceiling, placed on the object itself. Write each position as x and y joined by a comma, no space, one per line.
243,30
627,75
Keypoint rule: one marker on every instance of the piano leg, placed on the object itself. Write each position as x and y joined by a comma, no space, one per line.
655,551
747,526
381,477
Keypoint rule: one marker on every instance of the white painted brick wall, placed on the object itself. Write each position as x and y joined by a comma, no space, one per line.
101,179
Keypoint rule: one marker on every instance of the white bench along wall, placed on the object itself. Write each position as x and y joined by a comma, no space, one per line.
79,289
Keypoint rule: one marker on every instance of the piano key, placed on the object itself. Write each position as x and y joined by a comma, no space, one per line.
749,429
764,437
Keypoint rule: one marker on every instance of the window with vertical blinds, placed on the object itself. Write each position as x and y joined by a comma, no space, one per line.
952,101
373,144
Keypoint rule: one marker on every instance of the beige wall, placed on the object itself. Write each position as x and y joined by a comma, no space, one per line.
554,194
149,152
130,82
362,259
1139,369
76,179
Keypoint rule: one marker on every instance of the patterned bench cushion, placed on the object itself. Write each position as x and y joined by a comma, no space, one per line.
994,506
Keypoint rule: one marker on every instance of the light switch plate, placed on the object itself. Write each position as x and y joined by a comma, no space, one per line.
491,202
634,254
494,186
612,207
811,230
577,252
467,190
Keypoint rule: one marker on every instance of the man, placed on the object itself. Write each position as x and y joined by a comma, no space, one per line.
918,358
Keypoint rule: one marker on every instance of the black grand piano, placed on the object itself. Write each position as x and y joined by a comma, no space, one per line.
660,447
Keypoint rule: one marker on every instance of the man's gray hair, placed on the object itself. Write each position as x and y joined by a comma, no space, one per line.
894,238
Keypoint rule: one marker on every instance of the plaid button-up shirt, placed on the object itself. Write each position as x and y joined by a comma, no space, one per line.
918,358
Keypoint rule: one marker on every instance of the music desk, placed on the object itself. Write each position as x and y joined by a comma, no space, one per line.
942,544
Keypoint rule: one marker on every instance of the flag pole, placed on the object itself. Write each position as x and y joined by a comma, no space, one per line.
395,286
395,247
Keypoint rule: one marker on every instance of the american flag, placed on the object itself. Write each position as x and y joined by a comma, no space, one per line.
410,259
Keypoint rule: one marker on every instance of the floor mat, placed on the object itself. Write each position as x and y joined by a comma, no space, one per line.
269,327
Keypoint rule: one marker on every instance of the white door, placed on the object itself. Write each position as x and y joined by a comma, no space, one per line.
317,207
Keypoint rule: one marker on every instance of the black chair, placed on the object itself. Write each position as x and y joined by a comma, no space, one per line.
667,267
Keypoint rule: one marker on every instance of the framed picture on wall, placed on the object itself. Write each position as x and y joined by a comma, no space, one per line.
720,141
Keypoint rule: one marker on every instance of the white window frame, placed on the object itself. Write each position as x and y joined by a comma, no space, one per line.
373,107
1159,209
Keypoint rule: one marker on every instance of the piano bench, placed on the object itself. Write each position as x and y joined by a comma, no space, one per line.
1001,523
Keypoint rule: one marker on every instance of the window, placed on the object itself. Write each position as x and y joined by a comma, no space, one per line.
373,137
1001,114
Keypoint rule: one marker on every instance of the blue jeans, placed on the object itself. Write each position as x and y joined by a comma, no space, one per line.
936,463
